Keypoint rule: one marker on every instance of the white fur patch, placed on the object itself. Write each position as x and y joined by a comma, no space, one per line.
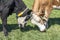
56,7
35,20
21,20
35,17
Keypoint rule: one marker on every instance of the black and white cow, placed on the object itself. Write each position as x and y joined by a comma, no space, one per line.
7,7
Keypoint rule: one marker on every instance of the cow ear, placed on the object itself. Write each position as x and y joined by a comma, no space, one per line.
29,12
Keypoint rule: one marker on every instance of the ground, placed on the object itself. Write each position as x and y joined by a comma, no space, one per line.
32,32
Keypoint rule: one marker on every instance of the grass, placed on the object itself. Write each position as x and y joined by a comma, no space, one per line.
32,32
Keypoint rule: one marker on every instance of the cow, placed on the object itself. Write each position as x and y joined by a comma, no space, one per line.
41,11
8,7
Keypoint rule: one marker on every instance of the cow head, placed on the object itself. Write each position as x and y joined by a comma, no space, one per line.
39,21
23,17
22,13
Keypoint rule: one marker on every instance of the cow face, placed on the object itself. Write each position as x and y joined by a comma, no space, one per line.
23,17
42,24
21,21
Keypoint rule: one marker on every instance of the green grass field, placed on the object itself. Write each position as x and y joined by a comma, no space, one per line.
32,32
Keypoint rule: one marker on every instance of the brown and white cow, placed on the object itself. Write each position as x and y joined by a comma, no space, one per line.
41,11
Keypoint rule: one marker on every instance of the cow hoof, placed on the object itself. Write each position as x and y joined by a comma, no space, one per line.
6,33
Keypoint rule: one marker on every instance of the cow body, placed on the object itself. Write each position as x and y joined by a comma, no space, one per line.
5,11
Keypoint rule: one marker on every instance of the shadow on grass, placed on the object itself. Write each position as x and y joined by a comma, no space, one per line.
10,27
51,21
28,28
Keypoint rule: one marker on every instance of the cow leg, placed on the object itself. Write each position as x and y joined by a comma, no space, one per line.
4,24
4,20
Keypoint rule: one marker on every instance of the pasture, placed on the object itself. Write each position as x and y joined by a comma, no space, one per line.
32,32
